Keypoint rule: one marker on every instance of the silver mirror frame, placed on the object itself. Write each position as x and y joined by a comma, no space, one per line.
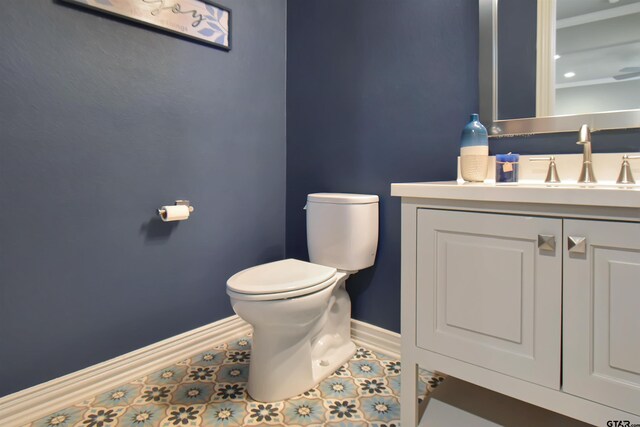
488,92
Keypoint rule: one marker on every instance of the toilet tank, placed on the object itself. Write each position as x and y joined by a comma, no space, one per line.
342,230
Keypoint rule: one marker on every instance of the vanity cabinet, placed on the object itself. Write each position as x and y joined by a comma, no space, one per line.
490,296
537,301
601,313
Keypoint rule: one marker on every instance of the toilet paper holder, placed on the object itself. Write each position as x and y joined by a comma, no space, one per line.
162,212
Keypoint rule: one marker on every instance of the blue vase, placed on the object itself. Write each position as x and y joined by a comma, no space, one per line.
474,133
474,151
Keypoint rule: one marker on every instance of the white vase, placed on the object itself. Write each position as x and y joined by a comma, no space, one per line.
474,162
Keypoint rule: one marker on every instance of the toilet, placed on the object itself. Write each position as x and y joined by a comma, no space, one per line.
300,311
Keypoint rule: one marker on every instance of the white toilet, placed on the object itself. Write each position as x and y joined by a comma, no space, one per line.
300,311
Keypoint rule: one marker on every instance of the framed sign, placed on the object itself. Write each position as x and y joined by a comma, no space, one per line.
202,20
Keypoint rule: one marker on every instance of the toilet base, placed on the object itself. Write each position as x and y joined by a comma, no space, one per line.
294,384
288,360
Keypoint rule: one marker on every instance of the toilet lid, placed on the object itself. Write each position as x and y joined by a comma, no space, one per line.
279,276
343,198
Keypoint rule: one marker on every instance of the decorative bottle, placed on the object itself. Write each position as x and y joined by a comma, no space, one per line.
474,151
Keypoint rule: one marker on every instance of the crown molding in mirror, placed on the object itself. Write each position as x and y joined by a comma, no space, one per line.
488,91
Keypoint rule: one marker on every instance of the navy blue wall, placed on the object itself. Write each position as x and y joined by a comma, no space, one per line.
377,92
101,122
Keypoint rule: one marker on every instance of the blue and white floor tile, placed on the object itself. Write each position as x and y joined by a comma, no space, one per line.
210,390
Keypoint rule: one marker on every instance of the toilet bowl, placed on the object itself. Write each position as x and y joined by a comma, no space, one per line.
300,311
299,336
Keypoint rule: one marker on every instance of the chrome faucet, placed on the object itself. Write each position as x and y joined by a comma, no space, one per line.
586,174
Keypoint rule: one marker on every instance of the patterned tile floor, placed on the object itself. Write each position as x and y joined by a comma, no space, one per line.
210,390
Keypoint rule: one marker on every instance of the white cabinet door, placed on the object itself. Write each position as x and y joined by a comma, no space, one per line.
488,295
601,341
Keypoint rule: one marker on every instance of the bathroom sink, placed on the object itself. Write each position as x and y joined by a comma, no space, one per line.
531,187
600,194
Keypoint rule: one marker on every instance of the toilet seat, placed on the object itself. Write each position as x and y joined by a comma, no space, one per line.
282,295
284,279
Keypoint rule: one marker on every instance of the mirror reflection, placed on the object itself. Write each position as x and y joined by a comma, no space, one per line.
578,56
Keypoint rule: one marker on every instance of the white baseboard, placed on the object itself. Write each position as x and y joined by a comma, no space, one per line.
375,338
38,401
20,408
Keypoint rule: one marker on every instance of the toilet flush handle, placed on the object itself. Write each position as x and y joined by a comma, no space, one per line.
305,208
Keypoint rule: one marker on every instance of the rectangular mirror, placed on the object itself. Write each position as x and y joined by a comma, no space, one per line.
552,65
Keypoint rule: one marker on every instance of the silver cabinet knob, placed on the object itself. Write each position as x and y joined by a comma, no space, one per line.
577,245
546,242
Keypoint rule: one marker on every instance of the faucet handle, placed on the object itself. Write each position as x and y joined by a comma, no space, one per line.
625,176
552,172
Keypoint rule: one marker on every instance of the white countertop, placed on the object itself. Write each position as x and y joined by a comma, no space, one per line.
610,195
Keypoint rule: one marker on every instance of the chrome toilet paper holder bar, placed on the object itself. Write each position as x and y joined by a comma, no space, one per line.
163,212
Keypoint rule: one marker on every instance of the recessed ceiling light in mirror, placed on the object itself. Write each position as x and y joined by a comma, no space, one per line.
569,74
